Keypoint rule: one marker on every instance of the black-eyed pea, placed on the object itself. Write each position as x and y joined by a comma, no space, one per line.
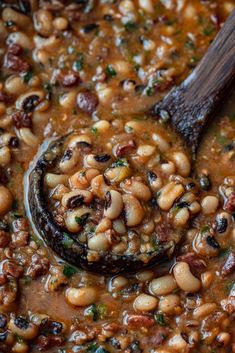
223,338
145,276
51,180
181,217
104,92
162,285
99,242
102,126
30,99
20,347
182,163
185,279
113,204
76,218
194,207
100,162
155,181
119,226
169,304
2,109
15,85
209,204
137,189
178,344
148,227
204,310
60,23
134,212
147,5
23,328
81,296
76,198
99,187
59,192
168,194
82,179
77,140
68,99
134,126
207,278
21,20
6,200
145,303
69,160
161,142
146,150
43,22
21,39
168,168
103,225
5,155
30,139
120,247
117,283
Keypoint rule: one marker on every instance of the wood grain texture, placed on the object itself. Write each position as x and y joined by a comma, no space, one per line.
194,102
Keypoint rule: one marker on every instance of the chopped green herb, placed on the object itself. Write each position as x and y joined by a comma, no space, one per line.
160,320
94,130
47,86
130,26
79,63
150,91
69,271
231,284
189,44
224,252
27,76
91,348
120,163
19,339
67,241
35,239
96,312
170,22
208,31
92,230
110,72
128,129
27,280
205,229
222,140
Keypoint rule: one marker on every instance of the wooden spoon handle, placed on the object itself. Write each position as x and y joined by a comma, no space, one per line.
191,104
216,71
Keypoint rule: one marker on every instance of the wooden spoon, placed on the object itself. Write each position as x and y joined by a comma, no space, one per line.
191,105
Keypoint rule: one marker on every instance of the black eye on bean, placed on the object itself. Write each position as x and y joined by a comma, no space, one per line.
21,323
211,241
3,321
102,158
221,224
205,182
52,328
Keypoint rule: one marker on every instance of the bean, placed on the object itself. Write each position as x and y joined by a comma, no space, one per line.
51,180
5,155
137,189
102,126
100,162
178,344
162,285
20,347
77,140
181,217
6,200
72,217
155,181
136,126
134,212
49,44
182,163
104,225
168,194
117,283
23,328
119,226
15,85
145,302
8,14
29,100
207,278
60,23
209,204
147,5
81,296
99,187
146,150
98,242
76,198
145,276
104,92
204,310
2,109
59,192
169,304
82,179
113,204
223,338
185,279
126,6
20,38
43,22
161,142
118,174
168,168
69,160
68,99
28,137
